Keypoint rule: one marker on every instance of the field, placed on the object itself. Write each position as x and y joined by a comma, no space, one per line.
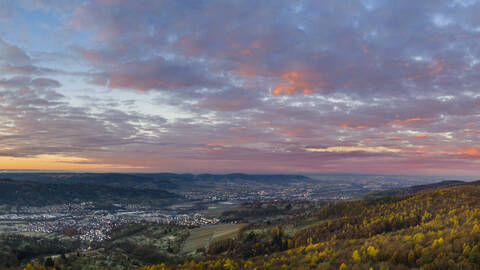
203,236
216,209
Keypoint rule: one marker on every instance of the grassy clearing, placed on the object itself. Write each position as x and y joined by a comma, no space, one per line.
201,237
227,231
216,209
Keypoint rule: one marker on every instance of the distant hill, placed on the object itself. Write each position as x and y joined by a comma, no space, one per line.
111,179
29,193
412,189
162,181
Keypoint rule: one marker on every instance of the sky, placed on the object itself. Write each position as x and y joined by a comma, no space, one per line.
246,86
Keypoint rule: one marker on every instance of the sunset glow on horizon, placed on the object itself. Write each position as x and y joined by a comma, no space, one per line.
240,86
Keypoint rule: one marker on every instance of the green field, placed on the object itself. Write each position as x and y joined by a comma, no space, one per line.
203,236
216,209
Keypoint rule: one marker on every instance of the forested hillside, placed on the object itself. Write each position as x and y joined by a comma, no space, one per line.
431,229
28,193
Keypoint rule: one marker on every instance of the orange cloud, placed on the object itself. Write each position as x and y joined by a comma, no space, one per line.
346,125
364,48
412,120
471,131
470,151
436,67
421,136
295,82
346,149
238,128
420,150
249,50
292,133
433,69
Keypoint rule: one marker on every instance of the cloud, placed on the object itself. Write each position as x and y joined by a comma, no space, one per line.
473,152
26,83
304,52
346,149
229,100
157,74
413,120
10,54
243,85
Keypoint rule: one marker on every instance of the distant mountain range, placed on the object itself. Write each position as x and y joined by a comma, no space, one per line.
159,181
40,189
